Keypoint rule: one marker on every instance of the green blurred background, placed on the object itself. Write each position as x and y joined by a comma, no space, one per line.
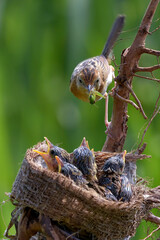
40,44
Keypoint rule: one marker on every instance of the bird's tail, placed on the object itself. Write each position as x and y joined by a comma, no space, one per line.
114,34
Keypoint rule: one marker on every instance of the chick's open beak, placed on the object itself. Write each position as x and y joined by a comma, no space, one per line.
124,154
59,162
45,155
84,143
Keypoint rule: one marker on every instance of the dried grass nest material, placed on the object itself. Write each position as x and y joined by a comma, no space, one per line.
62,200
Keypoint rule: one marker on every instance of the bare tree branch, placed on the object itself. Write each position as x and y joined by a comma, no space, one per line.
152,233
117,129
126,100
152,218
148,78
150,51
146,69
137,100
156,111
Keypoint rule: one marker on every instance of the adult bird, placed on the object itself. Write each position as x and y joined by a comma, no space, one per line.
91,78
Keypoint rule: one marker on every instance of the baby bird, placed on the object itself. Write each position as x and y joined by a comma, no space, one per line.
70,171
126,190
57,151
109,195
112,183
83,158
115,164
59,164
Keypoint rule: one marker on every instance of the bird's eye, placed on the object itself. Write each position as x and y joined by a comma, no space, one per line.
52,152
80,80
97,81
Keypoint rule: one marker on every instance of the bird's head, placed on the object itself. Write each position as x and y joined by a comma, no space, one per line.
121,161
86,81
84,160
52,161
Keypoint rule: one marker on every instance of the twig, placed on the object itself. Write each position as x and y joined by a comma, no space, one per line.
155,112
148,78
126,100
147,69
137,100
155,30
152,233
141,149
150,51
152,218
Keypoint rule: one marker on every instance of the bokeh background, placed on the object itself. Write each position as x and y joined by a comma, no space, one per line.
40,44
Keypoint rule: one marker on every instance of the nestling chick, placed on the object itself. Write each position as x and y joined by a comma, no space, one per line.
115,164
83,158
70,171
126,190
111,182
110,196
57,151
59,164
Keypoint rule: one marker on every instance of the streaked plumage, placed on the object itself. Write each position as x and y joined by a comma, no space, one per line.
109,195
71,171
95,74
59,163
115,164
83,158
111,182
126,190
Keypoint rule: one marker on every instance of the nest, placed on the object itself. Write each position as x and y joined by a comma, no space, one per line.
59,198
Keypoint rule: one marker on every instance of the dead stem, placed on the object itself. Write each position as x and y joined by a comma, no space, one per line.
137,100
155,112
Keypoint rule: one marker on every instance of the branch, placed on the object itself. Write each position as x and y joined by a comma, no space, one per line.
137,100
148,78
153,219
146,69
150,51
117,130
126,100
152,233
155,29
156,111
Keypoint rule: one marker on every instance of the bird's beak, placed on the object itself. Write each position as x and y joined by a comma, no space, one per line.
84,143
94,178
89,87
45,155
59,163
124,154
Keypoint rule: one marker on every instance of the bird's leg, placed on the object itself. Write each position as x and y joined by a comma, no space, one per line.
106,110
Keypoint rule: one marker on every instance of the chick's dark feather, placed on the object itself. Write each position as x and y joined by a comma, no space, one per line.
84,160
69,170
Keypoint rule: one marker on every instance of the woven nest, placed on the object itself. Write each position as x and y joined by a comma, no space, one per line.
59,198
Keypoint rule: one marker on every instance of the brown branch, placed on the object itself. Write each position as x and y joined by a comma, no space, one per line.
155,30
148,78
150,51
126,100
152,233
156,111
146,69
153,219
137,100
117,130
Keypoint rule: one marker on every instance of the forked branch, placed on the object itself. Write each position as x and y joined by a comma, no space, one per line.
130,57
